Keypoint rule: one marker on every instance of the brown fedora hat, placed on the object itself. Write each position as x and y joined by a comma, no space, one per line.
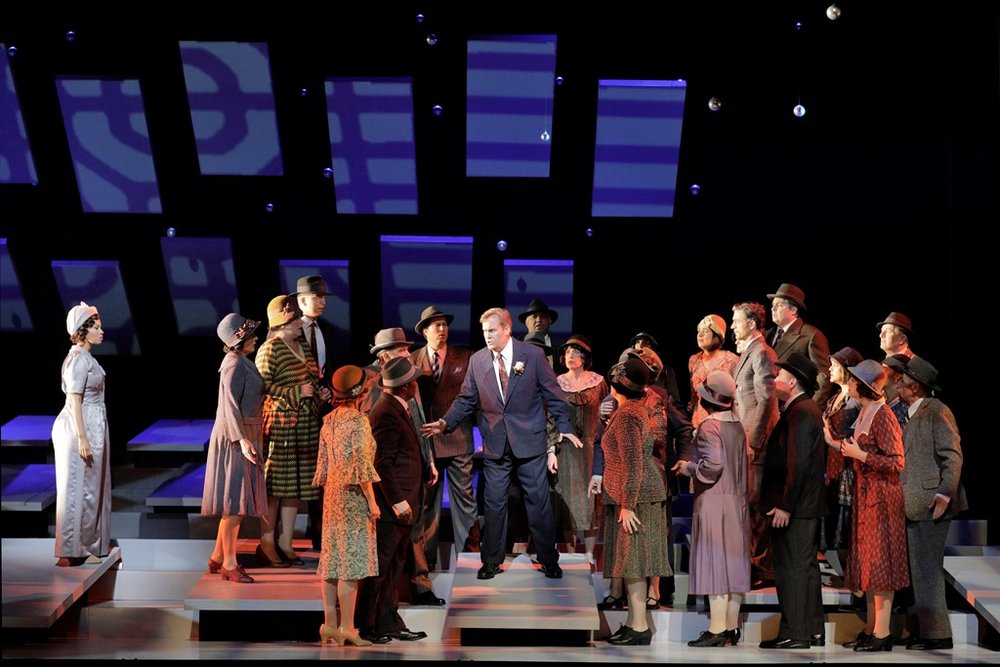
431,313
898,319
397,372
792,293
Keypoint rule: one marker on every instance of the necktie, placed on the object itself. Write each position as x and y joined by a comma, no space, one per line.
435,367
503,377
312,344
777,336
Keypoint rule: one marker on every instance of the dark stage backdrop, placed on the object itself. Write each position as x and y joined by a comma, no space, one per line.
880,198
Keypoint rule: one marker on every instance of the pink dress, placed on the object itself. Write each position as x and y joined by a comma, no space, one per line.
724,361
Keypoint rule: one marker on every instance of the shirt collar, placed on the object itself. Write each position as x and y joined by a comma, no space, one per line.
912,409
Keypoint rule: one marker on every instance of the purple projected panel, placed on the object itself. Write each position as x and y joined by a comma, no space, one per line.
16,163
202,283
550,280
338,303
14,313
637,147
106,127
371,145
99,283
418,271
232,108
510,88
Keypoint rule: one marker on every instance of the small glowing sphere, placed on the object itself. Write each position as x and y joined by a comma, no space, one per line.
12,51
269,207
559,80
695,189
432,39
799,110
437,109
328,172
545,136
501,245
798,25
715,104
589,232
71,36
833,12
304,92
420,18
171,232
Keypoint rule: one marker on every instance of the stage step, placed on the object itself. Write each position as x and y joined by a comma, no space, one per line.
153,619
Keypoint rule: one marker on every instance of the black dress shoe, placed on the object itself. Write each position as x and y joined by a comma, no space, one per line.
817,640
427,598
405,635
376,639
924,644
488,571
708,639
875,644
551,571
632,638
781,642
861,638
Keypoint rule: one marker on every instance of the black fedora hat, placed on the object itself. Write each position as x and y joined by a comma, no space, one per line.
431,313
538,306
397,372
311,285
792,293
803,369
538,340
920,370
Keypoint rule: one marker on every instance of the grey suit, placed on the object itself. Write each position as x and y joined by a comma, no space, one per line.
810,342
756,406
933,452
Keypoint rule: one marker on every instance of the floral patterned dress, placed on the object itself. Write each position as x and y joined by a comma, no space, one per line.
573,506
699,370
346,460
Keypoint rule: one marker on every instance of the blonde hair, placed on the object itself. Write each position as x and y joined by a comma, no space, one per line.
500,313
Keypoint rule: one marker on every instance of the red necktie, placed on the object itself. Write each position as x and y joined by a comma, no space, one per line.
503,377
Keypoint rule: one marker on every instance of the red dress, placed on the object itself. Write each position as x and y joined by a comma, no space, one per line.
878,559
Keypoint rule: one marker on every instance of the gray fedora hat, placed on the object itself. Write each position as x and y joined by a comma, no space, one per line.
387,338
311,285
397,372
792,293
917,368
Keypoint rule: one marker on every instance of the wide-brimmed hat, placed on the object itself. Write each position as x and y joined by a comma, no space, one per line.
871,374
538,306
629,353
633,374
77,315
847,357
387,338
802,368
719,388
715,323
234,329
642,335
348,382
917,368
431,313
792,293
538,340
282,310
899,319
311,285
397,372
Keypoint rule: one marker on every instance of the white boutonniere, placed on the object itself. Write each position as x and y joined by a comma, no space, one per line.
519,368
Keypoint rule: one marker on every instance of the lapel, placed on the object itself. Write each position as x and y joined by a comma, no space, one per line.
489,378
747,351
912,426
789,337
517,355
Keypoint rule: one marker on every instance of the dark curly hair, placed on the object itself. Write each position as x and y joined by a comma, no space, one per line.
81,334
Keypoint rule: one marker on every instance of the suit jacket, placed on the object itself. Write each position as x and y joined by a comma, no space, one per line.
326,331
756,405
810,342
933,454
521,419
397,459
795,462
437,396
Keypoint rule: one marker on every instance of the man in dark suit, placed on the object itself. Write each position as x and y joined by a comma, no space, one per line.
310,293
443,367
511,384
538,318
791,334
399,495
793,490
933,494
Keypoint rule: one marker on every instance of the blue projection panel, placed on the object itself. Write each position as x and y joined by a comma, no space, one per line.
99,283
16,163
373,154
418,271
106,127
232,108
637,147
202,283
510,90
338,304
13,310
550,280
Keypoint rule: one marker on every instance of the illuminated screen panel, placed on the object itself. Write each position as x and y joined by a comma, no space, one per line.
16,163
637,146
108,139
372,150
232,108
202,283
338,303
419,271
99,284
510,90
14,312
550,280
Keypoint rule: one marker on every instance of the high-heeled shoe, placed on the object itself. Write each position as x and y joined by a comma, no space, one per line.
266,561
611,602
708,639
238,575
734,636
292,559
861,639
652,603
214,566
632,638
875,644
354,640
326,633
622,629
